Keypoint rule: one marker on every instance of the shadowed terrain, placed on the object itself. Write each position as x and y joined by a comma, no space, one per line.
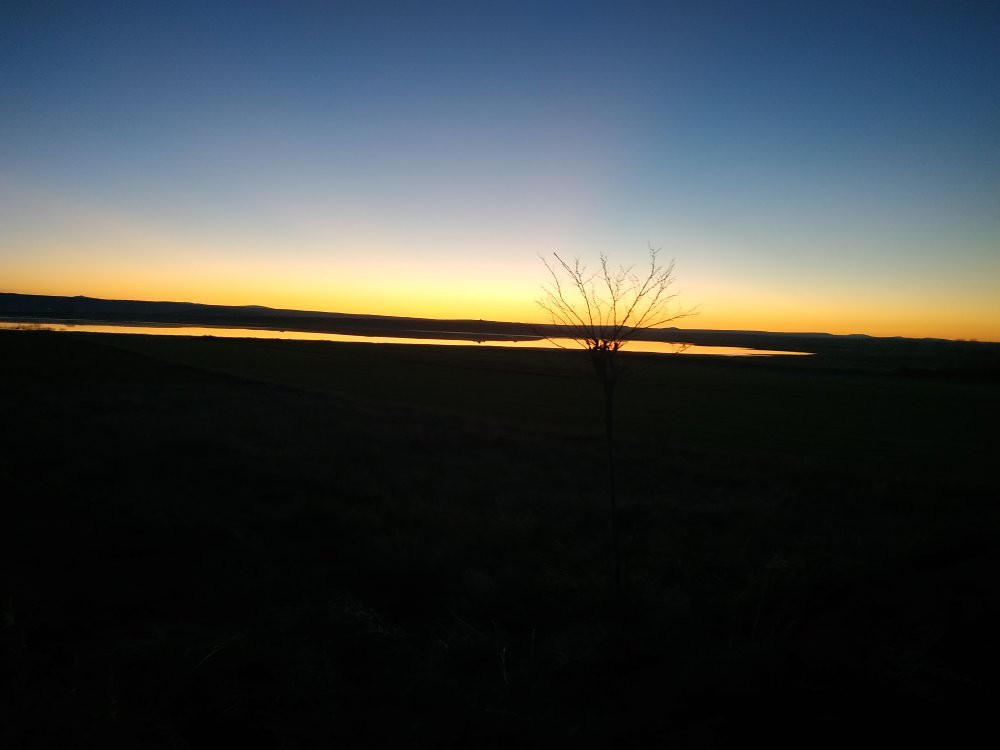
308,544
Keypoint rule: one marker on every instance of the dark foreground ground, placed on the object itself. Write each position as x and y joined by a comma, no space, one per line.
302,544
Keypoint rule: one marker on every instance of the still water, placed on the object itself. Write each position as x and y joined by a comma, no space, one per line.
656,347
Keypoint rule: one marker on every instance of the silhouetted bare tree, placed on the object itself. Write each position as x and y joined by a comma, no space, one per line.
602,310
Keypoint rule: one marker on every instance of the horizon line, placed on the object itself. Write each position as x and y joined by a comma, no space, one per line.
483,320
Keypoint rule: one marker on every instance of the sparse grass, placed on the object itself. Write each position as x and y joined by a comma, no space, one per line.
384,547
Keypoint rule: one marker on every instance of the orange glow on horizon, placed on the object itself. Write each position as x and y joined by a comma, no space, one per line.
505,300
376,280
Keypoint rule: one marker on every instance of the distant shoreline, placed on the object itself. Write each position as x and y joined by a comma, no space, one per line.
87,310
348,330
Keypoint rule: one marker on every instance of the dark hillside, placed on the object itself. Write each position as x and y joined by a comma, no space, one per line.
285,545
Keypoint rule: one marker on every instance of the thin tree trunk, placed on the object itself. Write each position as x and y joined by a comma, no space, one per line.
609,387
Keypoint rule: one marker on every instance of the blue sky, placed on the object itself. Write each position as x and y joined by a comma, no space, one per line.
811,166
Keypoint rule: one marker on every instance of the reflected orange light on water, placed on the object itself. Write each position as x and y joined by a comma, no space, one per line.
648,347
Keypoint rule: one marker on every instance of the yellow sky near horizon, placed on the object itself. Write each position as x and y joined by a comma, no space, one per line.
503,298
77,247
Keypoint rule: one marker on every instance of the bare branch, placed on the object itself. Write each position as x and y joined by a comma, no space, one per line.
603,310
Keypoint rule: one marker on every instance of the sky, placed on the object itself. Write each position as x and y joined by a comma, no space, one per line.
810,166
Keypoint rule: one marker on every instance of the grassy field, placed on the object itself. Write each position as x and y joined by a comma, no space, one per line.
306,544
785,410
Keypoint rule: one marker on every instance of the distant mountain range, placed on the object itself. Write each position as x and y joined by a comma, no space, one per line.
34,307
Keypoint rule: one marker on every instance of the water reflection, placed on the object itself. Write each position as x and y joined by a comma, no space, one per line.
654,347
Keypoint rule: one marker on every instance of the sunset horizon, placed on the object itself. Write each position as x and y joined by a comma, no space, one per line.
531,314
499,373
808,167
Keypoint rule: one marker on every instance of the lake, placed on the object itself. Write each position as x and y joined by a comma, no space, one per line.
653,347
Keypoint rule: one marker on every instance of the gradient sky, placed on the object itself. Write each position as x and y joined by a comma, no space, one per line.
830,166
